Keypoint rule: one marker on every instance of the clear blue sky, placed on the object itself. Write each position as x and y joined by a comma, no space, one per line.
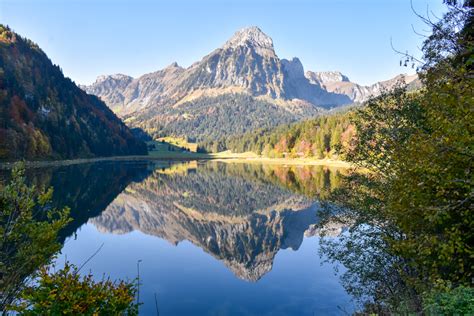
90,38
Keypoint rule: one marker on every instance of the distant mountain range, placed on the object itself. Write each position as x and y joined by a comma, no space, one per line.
45,115
337,83
244,80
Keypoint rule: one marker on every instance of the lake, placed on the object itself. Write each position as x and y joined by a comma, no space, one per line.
209,238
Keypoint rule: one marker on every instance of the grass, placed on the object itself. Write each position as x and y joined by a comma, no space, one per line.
178,142
252,158
174,151
247,157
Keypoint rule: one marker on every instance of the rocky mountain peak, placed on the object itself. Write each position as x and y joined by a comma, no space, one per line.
244,80
293,67
173,65
117,77
325,77
250,36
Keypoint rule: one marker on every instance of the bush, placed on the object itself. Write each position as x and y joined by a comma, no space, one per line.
66,292
29,229
450,301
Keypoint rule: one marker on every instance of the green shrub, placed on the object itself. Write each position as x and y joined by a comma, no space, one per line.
67,292
450,301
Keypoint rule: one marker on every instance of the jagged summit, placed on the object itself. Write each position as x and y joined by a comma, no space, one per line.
293,67
250,36
174,65
325,77
118,76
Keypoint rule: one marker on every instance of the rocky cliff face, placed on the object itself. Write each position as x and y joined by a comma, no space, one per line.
110,88
337,83
325,77
246,63
247,60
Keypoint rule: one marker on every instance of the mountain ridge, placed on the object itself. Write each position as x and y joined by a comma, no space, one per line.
246,64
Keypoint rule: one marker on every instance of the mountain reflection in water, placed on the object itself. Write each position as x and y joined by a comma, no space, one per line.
243,215
234,212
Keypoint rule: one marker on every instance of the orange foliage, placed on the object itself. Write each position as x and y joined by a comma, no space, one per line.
19,111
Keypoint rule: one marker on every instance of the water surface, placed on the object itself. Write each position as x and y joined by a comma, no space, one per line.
210,238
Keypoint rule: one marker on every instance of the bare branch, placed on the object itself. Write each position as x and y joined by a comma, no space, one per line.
433,14
90,258
421,17
404,54
417,33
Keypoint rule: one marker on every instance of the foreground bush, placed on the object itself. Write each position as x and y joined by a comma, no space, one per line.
67,292
450,301
29,242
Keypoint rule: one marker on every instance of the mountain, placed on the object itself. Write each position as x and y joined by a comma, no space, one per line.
246,63
45,115
324,77
337,83
238,87
244,80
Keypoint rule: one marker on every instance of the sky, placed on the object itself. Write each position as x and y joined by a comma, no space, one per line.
90,38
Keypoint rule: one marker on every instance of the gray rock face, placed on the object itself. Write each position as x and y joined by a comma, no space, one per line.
325,77
256,69
251,37
109,88
293,68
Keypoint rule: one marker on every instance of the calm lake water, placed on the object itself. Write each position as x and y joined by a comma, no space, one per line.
211,238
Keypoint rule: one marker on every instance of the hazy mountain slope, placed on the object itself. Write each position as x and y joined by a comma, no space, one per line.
214,117
45,115
110,88
123,94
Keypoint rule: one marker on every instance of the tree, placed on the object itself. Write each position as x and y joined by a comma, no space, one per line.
29,231
29,242
415,204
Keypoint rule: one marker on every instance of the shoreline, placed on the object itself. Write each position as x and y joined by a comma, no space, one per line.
224,157
288,161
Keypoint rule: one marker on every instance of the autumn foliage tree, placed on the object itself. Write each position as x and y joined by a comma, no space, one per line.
414,209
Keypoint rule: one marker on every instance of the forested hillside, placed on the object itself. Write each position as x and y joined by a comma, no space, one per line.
45,115
319,138
211,118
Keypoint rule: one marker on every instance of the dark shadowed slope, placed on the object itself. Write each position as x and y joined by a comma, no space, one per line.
45,115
